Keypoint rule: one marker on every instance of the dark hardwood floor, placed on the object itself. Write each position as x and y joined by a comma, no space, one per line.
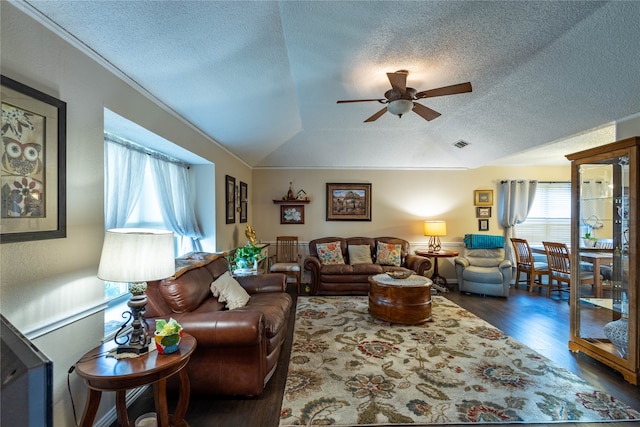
537,321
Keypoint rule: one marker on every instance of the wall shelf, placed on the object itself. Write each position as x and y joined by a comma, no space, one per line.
291,202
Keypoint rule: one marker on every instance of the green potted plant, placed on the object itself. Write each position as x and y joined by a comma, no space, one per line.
589,240
246,257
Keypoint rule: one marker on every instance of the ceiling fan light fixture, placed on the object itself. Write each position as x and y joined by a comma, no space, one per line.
400,107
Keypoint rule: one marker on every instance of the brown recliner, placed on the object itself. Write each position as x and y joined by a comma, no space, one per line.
237,350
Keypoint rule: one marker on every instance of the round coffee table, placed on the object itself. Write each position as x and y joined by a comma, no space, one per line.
405,301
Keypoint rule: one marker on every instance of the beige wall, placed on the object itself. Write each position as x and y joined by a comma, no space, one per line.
401,200
49,289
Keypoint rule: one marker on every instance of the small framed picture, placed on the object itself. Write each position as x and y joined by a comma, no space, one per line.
483,225
230,199
291,214
244,192
483,197
483,212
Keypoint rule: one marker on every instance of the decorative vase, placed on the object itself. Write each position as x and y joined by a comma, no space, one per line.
618,333
167,344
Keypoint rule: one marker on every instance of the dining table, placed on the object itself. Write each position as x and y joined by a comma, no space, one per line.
595,257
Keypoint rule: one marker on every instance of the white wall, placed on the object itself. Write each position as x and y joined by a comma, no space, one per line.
49,289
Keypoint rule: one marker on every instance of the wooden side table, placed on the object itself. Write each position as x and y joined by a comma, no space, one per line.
102,373
436,278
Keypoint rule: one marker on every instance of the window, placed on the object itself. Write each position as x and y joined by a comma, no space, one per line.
550,215
116,294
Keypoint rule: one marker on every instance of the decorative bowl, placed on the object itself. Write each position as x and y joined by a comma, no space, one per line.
167,344
399,274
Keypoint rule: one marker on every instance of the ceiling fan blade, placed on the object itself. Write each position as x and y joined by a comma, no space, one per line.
447,90
425,112
398,80
360,100
376,116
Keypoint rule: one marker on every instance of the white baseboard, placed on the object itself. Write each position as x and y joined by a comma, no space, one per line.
110,417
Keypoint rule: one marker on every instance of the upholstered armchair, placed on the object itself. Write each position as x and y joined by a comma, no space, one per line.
484,272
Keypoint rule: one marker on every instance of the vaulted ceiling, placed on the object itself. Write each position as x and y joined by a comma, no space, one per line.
262,78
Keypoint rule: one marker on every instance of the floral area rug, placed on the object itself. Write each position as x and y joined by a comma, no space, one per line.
348,368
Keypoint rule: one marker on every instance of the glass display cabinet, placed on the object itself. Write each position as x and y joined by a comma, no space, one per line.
604,240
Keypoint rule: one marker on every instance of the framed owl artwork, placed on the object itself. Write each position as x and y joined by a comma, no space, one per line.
32,164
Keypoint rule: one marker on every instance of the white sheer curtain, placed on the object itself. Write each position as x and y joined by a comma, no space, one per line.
176,204
123,167
516,198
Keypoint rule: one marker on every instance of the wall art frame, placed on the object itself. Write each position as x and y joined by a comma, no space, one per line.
244,201
230,199
33,173
483,197
483,212
291,214
483,225
348,202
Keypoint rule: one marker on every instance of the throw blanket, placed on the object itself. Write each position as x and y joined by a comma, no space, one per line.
194,260
483,241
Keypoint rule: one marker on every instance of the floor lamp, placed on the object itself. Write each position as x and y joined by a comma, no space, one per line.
135,256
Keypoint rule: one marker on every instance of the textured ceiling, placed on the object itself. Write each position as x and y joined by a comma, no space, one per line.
262,78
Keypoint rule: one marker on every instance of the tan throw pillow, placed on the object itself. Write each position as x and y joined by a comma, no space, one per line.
359,254
329,253
388,254
228,290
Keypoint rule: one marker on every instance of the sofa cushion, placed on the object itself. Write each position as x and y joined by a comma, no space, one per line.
186,292
482,275
330,253
485,257
275,308
228,290
388,254
360,254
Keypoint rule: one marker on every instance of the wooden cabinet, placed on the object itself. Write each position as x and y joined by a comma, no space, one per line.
605,201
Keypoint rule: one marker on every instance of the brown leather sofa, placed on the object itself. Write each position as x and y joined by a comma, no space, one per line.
347,279
237,350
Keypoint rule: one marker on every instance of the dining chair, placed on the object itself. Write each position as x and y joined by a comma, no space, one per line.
534,270
559,263
286,260
606,270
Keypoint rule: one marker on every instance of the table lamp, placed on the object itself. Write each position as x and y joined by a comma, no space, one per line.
134,256
435,229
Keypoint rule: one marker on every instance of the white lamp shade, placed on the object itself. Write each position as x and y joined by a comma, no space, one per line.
400,106
136,255
435,228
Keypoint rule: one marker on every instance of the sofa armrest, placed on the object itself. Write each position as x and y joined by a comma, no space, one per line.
417,263
505,264
224,328
262,283
313,265
461,261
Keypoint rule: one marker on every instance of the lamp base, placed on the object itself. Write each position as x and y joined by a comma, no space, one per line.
434,244
132,349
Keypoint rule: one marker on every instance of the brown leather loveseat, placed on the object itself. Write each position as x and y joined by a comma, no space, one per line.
237,350
352,277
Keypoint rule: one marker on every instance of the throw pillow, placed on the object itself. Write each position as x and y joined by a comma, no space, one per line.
330,253
360,254
228,290
388,254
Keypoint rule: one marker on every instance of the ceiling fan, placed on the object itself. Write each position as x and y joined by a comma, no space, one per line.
399,98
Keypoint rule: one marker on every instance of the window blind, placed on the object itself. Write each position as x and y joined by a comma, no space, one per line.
550,215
